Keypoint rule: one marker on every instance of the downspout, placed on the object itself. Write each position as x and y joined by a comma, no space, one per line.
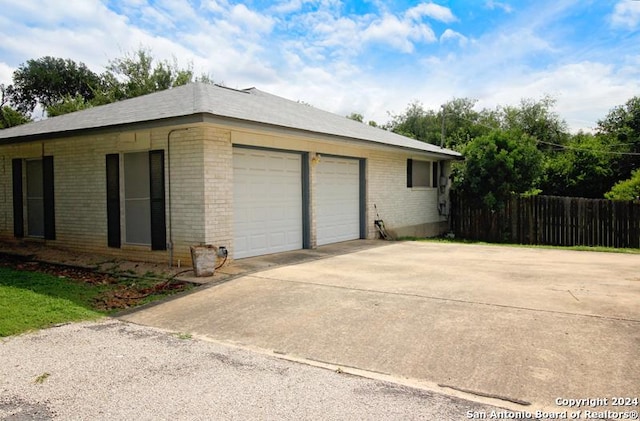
170,242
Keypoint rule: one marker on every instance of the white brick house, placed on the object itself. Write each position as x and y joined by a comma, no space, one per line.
148,177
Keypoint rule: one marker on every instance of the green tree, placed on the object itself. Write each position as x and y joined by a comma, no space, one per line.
497,166
62,86
68,104
48,80
139,74
461,123
582,168
626,189
416,123
621,132
356,117
536,119
9,117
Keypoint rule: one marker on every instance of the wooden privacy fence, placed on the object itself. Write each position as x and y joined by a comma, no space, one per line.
551,220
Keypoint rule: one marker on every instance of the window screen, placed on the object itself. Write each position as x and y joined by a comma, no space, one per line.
35,199
137,198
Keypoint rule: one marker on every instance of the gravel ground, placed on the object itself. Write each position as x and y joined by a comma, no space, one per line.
113,370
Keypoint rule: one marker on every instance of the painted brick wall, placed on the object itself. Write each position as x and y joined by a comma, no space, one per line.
404,210
80,189
199,185
218,187
184,189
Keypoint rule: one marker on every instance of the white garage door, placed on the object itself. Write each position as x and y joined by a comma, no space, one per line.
337,200
267,202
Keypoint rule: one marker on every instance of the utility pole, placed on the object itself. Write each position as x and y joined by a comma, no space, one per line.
442,133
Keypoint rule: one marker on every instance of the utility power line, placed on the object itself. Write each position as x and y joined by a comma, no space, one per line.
563,146
588,149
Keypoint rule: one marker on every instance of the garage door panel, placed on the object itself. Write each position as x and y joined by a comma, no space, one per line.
337,200
267,202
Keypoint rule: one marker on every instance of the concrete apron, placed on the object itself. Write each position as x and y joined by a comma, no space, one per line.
522,325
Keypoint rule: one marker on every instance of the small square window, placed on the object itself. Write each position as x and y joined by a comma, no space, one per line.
418,173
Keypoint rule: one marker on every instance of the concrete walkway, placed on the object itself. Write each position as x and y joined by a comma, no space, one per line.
518,324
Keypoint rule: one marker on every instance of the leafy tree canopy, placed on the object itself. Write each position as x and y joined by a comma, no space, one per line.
626,189
537,119
621,131
356,117
68,104
582,164
583,168
139,74
9,117
416,123
47,80
498,165
61,86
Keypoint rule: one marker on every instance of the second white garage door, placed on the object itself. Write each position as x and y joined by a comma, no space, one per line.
267,202
337,200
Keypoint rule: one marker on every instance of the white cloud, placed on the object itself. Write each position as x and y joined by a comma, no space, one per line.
250,20
318,55
399,34
89,33
585,91
216,6
177,9
287,6
501,67
626,14
6,73
156,18
451,35
430,10
343,34
491,4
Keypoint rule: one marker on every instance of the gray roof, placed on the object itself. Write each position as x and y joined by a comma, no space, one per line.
250,105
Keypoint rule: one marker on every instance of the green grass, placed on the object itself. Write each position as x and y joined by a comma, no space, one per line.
576,248
32,300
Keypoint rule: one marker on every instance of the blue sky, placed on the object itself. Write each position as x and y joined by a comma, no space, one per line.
371,57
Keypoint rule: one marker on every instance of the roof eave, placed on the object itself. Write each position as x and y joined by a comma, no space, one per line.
203,117
144,124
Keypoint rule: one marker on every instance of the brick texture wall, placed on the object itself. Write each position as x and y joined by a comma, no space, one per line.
80,189
199,186
405,211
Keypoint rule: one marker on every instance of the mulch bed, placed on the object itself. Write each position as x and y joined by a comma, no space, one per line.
119,292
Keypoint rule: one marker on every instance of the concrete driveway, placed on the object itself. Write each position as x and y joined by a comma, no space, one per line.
517,324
